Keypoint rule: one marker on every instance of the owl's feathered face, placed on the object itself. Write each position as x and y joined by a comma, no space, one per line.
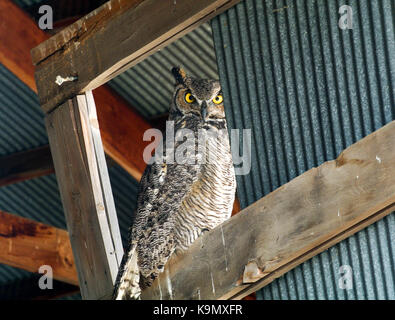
196,97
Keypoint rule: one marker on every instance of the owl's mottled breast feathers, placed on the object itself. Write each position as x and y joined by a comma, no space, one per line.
178,201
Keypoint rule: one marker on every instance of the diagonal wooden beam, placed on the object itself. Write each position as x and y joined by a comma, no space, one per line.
110,40
27,244
290,225
122,128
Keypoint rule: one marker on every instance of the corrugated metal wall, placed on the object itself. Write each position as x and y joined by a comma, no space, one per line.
309,89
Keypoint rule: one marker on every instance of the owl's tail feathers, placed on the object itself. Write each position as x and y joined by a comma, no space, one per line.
127,284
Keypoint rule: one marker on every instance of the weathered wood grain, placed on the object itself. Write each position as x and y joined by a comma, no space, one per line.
122,128
27,244
83,181
290,225
111,39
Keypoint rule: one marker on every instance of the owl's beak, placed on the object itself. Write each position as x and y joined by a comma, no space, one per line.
203,111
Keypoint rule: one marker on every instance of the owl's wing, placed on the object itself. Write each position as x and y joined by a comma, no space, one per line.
162,189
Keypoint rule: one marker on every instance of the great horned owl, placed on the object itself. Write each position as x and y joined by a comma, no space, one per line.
179,201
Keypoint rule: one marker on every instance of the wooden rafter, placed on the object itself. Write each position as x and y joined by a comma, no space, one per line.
290,225
121,127
111,39
27,244
25,165
29,164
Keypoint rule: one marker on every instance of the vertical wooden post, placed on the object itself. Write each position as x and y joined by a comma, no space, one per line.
84,184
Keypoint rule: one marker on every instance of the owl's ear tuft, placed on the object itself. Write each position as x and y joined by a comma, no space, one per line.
179,75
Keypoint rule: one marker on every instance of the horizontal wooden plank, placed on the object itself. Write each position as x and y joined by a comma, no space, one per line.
27,244
111,39
290,225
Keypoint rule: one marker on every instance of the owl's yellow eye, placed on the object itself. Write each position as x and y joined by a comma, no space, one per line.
189,97
218,99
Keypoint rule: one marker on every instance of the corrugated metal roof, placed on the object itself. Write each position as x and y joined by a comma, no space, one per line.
308,89
39,199
149,85
21,125
22,128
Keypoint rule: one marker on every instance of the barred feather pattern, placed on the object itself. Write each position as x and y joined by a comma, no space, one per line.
177,202
128,282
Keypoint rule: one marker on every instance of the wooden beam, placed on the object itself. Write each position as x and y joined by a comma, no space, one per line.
25,165
290,225
85,190
30,164
122,128
110,40
18,34
27,244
